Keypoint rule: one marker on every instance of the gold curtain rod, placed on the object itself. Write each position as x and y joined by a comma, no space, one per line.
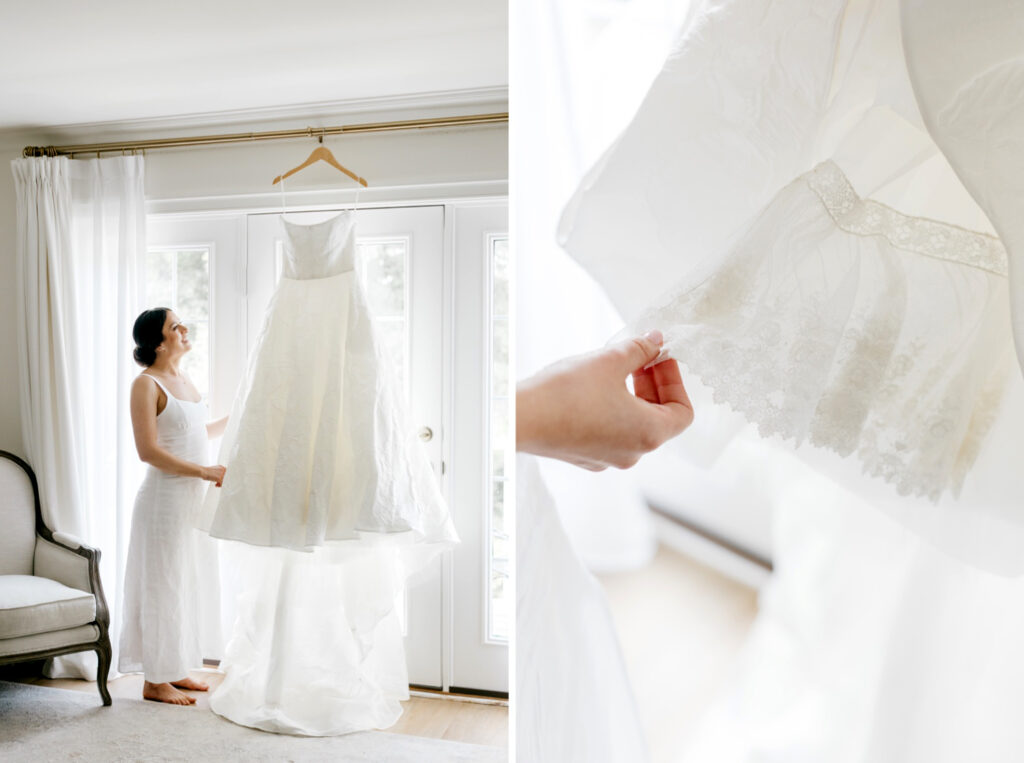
243,137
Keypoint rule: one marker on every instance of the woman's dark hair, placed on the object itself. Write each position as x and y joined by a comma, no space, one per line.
148,333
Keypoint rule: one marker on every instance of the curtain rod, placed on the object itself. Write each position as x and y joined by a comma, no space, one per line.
309,132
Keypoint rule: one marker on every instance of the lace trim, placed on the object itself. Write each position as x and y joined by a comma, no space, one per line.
916,234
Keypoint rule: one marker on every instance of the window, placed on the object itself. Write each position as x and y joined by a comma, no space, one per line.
502,450
384,278
180,279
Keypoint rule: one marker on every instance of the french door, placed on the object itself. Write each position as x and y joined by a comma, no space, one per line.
427,273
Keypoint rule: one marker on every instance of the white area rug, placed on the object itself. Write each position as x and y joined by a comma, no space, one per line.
42,724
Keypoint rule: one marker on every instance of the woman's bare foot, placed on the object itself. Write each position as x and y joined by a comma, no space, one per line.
188,683
165,693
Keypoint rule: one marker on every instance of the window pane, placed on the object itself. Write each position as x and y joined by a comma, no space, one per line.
500,277
180,280
193,285
384,276
196,362
499,357
392,336
501,602
498,507
500,445
160,279
499,423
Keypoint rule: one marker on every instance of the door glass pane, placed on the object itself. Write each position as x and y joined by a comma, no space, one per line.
180,279
501,446
384,274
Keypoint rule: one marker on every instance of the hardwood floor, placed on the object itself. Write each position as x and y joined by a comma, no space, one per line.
681,626
437,718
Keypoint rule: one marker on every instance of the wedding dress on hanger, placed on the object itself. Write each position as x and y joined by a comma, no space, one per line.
333,500
319,445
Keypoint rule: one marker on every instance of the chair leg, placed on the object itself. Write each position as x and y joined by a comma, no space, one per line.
104,654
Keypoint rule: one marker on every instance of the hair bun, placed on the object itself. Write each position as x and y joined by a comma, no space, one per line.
148,333
144,356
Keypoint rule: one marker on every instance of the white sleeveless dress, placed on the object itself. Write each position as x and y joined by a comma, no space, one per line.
160,634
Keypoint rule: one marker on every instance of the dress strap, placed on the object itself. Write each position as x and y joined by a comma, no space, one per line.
159,383
168,392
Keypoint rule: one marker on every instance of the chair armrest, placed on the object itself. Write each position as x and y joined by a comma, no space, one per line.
69,541
63,562
67,560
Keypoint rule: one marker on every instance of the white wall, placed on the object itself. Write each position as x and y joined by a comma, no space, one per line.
399,166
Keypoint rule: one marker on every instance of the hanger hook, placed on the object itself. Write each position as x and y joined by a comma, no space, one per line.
321,139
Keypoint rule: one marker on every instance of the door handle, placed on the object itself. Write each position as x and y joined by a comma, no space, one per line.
426,434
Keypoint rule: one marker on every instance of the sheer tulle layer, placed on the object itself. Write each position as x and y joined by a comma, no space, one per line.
840,322
317,648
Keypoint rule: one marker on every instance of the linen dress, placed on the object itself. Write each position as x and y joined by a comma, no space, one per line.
161,635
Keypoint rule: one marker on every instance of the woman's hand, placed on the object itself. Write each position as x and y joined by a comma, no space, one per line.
214,474
579,409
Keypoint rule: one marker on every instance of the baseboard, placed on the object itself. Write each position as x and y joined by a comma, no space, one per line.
733,561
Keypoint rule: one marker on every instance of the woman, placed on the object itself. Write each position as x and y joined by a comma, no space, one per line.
160,635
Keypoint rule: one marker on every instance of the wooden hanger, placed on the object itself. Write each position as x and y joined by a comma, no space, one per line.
321,153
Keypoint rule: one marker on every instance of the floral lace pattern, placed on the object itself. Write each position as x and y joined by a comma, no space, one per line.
842,323
916,234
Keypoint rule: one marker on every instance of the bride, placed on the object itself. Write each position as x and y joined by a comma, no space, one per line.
160,636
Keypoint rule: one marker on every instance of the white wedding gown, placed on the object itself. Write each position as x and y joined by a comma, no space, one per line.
333,499
319,448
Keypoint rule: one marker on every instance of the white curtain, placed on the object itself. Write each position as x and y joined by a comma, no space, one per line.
81,234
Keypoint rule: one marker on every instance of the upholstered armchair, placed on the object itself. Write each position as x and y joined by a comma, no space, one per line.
51,600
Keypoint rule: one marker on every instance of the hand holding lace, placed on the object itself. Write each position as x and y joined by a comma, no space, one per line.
579,410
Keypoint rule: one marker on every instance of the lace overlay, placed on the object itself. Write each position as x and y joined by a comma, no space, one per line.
842,323
916,234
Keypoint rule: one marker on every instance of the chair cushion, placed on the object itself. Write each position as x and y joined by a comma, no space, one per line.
41,642
29,605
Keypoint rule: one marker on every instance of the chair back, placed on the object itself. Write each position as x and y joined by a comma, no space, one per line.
17,516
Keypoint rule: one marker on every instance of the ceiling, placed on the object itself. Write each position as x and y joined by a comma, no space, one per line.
67,62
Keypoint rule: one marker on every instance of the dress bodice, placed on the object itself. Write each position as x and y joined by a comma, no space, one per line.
319,251
181,427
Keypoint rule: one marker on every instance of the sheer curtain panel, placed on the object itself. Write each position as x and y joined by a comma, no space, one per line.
80,235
